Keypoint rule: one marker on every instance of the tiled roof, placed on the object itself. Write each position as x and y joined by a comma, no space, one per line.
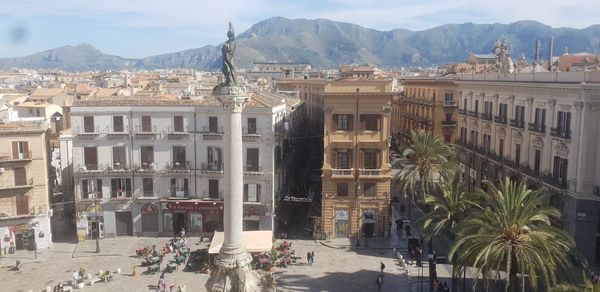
131,101
19,127
46,92
33,104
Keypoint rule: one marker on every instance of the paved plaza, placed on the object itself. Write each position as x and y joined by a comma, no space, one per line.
336,267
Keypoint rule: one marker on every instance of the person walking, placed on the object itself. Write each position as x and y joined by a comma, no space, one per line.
309,258
312,257
379,281
162,285
381,266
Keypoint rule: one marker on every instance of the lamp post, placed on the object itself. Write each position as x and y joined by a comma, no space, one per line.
97,222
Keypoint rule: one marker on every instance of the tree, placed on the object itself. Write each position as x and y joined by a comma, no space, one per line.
424,164
512,234
448,209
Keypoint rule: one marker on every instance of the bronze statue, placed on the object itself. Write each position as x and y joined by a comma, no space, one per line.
228,51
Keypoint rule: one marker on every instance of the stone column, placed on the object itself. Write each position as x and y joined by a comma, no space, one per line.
233,263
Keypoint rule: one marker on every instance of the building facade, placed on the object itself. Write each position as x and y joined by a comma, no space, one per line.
541,129
356,171
427,104
24,187
145,166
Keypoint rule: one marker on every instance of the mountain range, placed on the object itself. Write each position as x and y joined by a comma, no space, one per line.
324,43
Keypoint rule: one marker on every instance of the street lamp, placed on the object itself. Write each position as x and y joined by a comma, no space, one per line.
97,222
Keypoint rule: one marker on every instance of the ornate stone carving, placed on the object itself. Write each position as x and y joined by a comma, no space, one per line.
537,142
564,107
233,102
530,100
594,106
487,128
552,102
578,105
518,137
511,98
561,149
386,110
501,132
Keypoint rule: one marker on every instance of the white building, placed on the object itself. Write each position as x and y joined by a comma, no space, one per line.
154,166
541,129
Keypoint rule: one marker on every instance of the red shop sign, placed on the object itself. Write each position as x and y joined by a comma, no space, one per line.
200,207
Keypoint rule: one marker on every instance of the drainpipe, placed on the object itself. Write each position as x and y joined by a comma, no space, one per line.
195,159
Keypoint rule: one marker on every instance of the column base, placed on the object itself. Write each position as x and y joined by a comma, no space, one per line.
234,274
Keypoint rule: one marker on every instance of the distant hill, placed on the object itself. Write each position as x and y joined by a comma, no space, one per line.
324,43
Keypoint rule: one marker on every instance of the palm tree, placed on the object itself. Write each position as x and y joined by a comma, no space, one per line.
447,211
512,234
424,163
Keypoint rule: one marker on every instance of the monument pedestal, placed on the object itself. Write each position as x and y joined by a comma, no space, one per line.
234,274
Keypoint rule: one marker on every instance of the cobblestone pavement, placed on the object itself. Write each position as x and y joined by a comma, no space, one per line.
336,267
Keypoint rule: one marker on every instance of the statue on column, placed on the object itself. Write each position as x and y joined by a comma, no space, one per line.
228,51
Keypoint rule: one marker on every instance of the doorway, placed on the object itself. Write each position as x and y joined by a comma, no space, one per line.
95,229
124,224
179,222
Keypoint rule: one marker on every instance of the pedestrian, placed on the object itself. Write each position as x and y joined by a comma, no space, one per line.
182,232
309,258
74,277
445,287
379,282
382,266
162,285
312,257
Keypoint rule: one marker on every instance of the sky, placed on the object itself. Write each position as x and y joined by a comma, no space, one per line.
140,28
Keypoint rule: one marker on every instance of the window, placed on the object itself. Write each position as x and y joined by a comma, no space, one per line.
252,159
465,104
537,161
148,187
178,124
214,158
147,157
487,107
560,171
448,117
146,124
463,135
342,189
179,187
564,122
179,156
119,157
120,187
447,139
370,122
252,193
213,188
448,96
540,117
118,124
474,138
90,158
501,148
91,188
213,125
370,189
503,110
20,150
517,154
487,143
88,124
343,158
20,176
22,205
519,113
251,125
371,159
476,109
342,122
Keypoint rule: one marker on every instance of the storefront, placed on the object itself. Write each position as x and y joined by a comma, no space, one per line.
369,223
149,218
196,216
342,227
90,223
252,216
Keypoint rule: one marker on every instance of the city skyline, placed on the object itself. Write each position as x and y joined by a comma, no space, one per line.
132,29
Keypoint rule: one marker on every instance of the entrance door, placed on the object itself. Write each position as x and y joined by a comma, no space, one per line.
178,223
124,224
341,228
95,229
19,240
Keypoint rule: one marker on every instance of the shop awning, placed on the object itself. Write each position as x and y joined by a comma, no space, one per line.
254,241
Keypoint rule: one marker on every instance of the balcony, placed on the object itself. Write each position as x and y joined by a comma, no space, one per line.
218,195
449,103
250,134
536,128
176,134
21,158
486,116
473,114
112,134
369,173
120,194
555,181
462,112
448,123
179,193
253,170
212,168
118,167
517,123
342,173
147,167
560,133
500,120
11,185
177,167
212,133
87,132
145,133
89,169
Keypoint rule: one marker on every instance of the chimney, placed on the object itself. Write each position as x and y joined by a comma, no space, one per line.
538,48
550,53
